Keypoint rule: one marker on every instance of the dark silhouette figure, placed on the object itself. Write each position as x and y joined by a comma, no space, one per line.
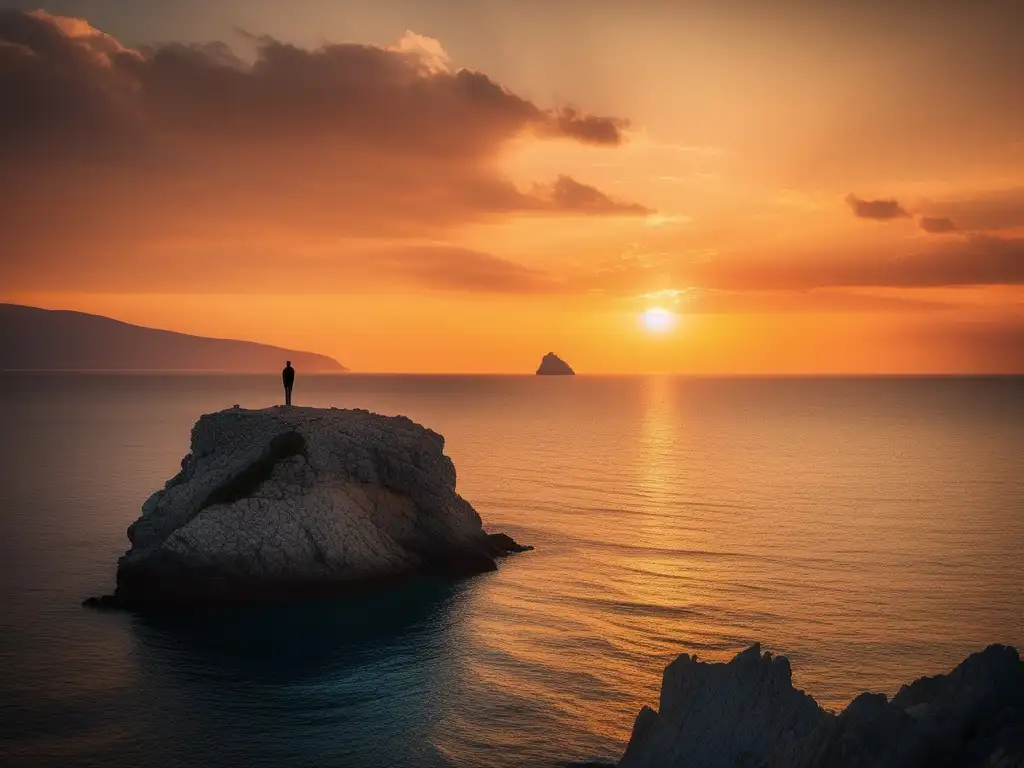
288,377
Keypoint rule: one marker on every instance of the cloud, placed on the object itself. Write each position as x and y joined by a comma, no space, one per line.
460,269
792,301
937,226
949,262
715,285
880,210
431,56
403,99
569,195
987,211
106,150
975,260
589,129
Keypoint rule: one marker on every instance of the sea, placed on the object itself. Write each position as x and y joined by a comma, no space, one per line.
870,529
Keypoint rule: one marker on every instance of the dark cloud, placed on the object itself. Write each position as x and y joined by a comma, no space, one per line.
105,150
589,129
358,96
937,226
881,210
567,194
989,211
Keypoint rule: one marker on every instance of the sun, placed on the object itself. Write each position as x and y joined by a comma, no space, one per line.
658,320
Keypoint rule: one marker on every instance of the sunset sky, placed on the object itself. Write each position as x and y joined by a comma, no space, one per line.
464,185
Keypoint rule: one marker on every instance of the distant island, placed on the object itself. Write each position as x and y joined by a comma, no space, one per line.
41,339
553,365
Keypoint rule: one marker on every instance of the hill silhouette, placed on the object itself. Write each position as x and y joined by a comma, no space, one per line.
42,339
553,365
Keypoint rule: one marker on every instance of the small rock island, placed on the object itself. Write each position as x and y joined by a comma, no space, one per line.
553,365
288,501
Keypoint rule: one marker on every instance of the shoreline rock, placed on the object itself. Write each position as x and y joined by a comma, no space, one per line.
290,502
553,365
747,714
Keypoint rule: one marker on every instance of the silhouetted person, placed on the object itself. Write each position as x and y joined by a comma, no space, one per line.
288,377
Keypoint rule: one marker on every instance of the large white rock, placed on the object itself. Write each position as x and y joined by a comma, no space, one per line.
289,501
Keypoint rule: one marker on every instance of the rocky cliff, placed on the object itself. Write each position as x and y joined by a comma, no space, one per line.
553,365
747,714
288,501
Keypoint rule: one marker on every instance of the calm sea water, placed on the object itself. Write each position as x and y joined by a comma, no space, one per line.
870,529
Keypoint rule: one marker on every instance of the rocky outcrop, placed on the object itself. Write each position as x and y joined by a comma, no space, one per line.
722,714
288,501
553,365
746,714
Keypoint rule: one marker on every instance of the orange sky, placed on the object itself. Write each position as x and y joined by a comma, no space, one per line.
461,186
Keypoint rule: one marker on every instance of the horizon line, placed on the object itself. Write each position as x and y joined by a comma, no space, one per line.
522,374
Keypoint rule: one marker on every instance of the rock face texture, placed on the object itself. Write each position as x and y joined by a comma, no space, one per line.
287,501
746,714
553,365
721,714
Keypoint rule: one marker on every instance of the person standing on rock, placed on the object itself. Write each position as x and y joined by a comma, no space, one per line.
288,376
